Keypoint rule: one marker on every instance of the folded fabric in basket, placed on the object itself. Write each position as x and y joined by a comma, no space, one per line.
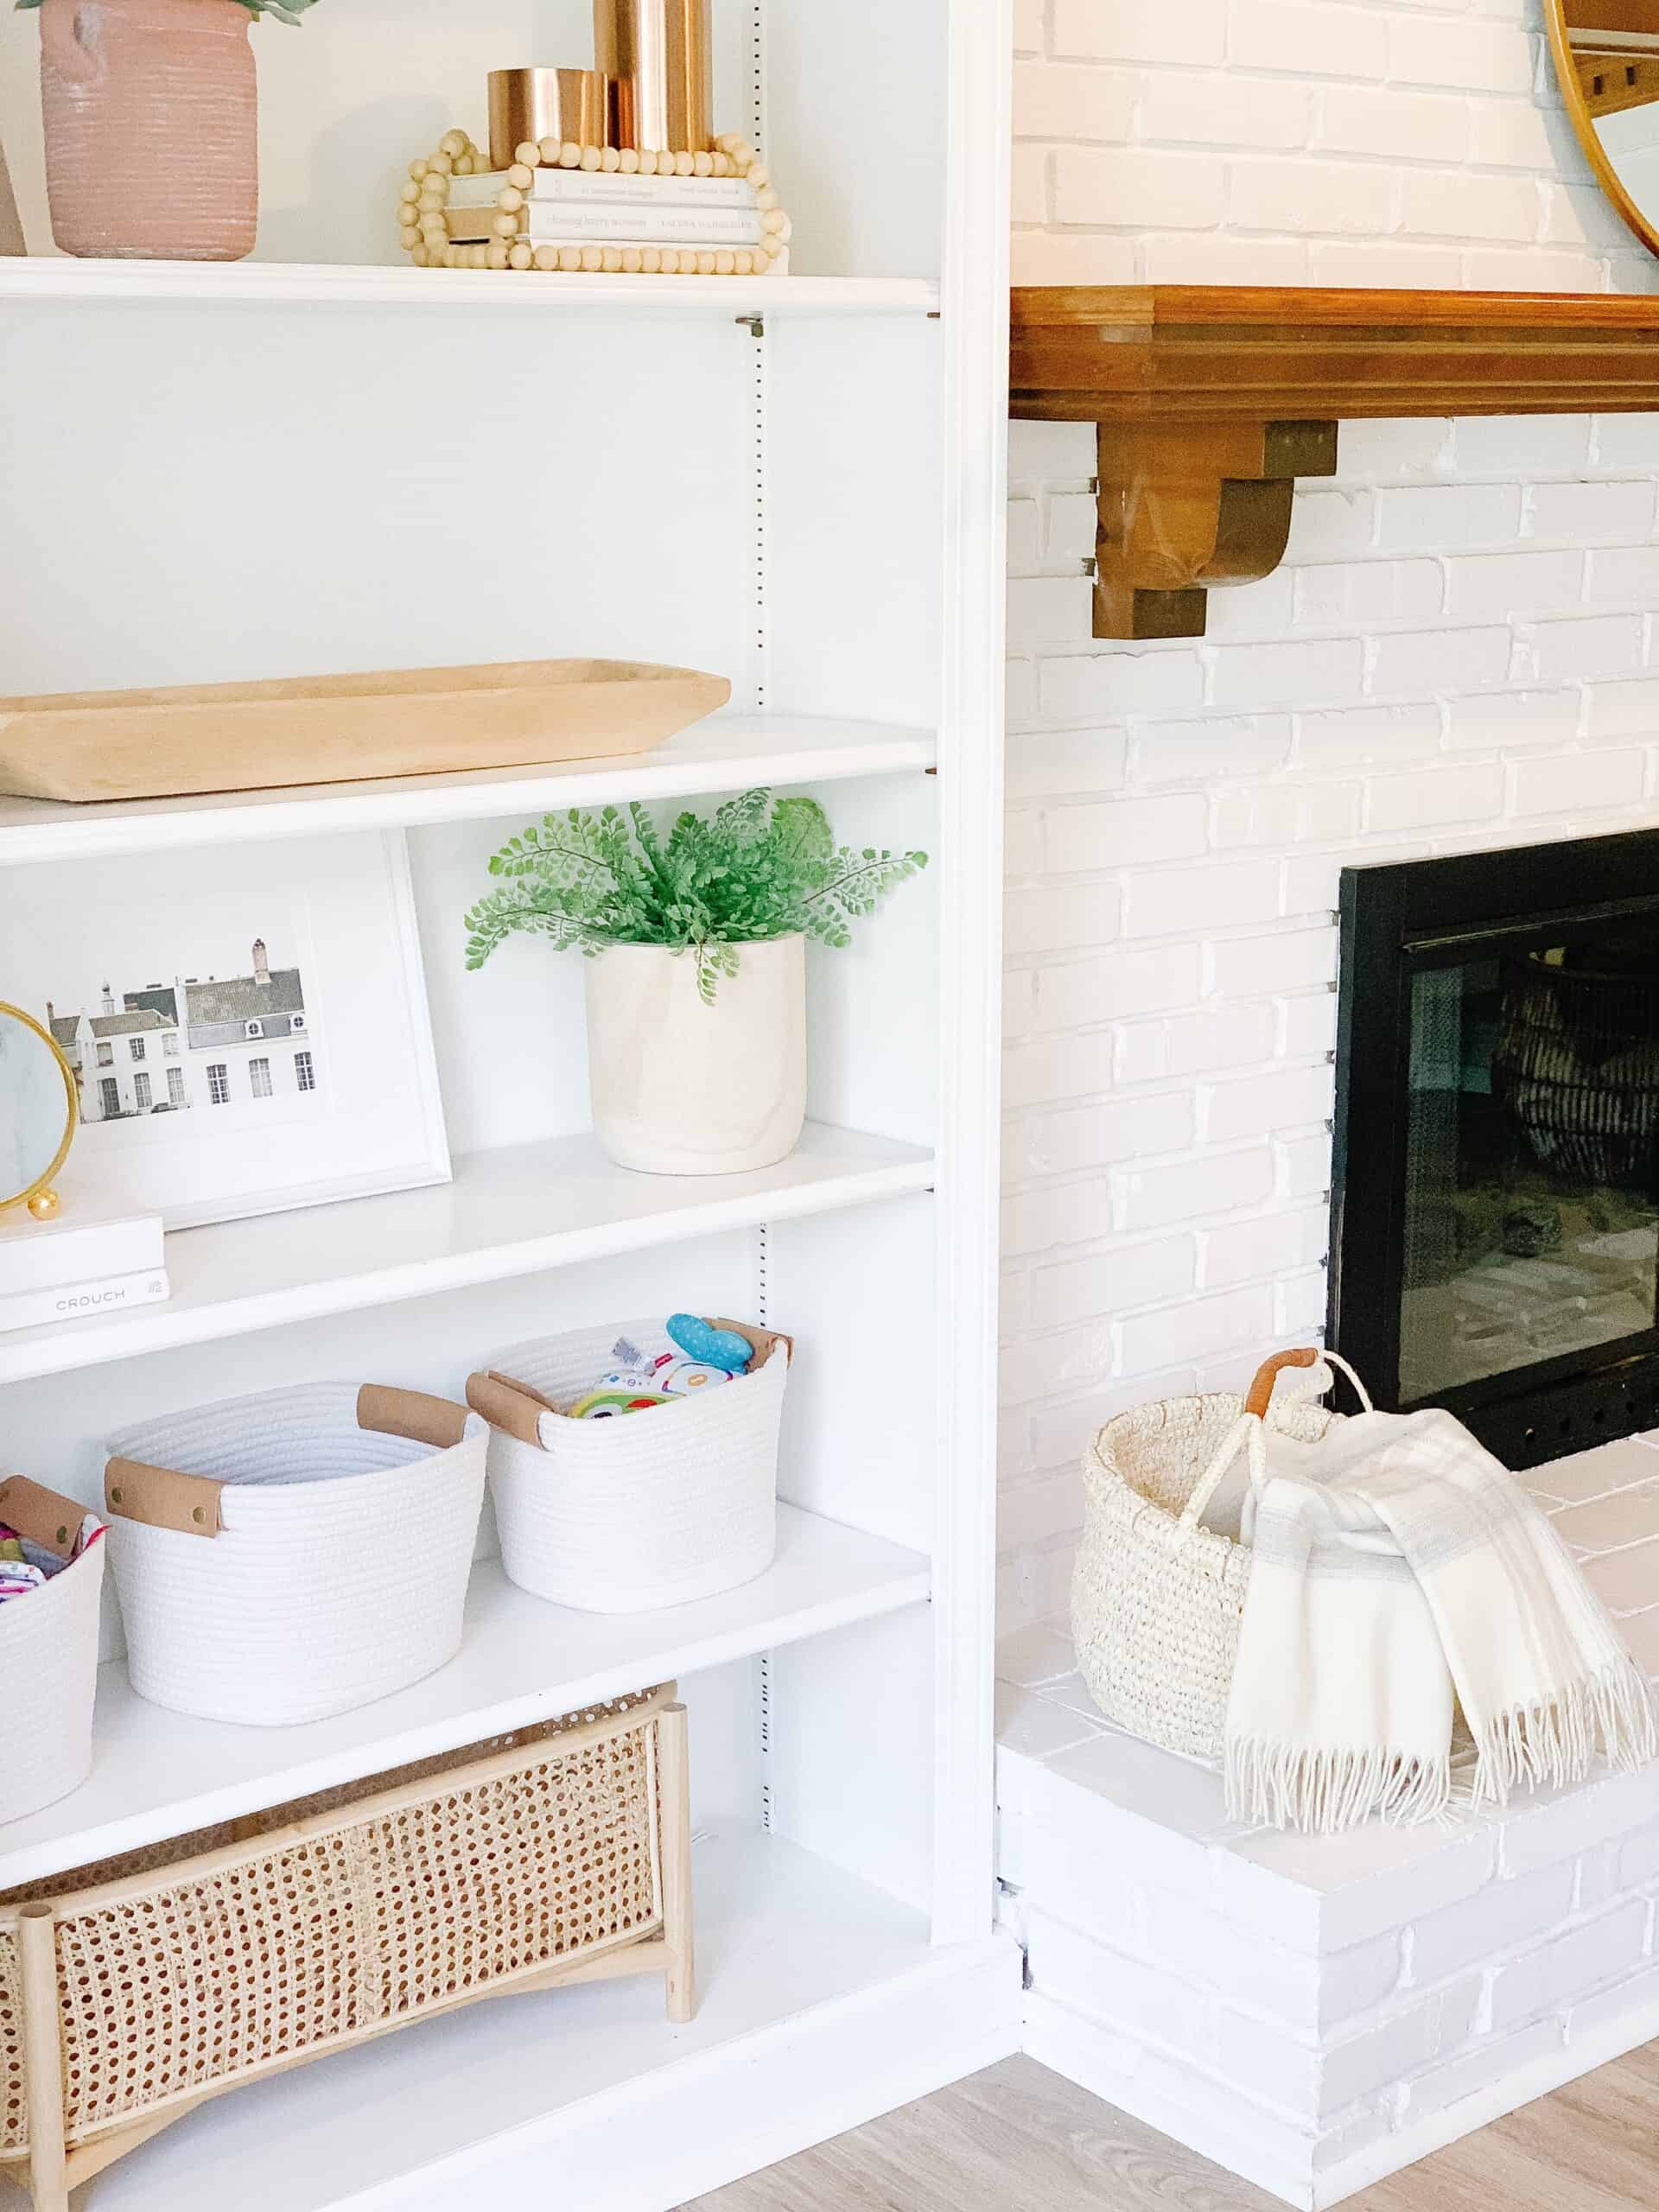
1401,1578
27,1566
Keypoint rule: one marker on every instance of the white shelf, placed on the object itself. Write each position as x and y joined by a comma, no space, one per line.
727,754
515,1211
780,1933
51,277
157,1774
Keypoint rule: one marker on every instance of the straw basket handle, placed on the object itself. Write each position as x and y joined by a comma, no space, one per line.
1249,1431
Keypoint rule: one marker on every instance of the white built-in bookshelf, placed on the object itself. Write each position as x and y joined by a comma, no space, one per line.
318,460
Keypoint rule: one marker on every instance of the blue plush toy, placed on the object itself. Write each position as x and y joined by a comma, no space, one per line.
709,1346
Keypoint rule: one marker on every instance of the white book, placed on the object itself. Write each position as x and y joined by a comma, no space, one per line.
77,1301
74,1246
577,188
694,226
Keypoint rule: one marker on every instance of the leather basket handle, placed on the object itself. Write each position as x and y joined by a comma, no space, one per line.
511,1405
45,1516
161,1498
410,1414
1260,1394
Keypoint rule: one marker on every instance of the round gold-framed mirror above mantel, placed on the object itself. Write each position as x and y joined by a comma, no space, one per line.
1607,63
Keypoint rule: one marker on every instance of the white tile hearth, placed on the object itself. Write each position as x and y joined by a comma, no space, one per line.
1316,2012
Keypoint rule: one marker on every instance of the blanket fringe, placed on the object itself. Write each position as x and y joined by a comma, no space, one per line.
1322,1792
1557,1739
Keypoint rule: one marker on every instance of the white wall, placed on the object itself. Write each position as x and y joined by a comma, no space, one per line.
1458,652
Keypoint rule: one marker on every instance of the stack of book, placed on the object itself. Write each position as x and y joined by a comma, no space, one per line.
607,208
76,1267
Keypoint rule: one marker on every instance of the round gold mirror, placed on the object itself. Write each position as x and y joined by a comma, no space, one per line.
1607,61
38,1111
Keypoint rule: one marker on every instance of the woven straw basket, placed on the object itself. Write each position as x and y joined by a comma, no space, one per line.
654,1509
1156,1599
49,1658
292,1555
131,1991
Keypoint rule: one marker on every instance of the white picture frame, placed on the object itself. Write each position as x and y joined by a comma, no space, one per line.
248,1024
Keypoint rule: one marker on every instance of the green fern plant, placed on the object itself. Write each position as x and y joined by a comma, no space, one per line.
757,869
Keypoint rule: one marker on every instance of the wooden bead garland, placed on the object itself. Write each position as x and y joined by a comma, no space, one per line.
423,198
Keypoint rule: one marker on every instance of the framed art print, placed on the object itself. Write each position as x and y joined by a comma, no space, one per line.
247,1026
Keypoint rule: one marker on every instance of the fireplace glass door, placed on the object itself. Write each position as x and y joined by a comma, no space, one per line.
1531,1182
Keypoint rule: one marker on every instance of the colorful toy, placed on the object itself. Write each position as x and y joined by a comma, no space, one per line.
607,1405
709,1346
709,1357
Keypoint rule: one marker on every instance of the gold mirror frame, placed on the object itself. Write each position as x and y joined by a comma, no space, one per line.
1578,108
40,1197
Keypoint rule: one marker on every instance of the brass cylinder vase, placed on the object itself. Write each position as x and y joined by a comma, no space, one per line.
661,58
573,105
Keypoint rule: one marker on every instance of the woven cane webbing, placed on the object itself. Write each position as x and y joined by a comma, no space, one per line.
13,2132
191,1983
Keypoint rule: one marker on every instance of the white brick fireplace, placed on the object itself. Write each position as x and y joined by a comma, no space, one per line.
1460,651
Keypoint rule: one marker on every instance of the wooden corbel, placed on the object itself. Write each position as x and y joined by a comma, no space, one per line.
1186,506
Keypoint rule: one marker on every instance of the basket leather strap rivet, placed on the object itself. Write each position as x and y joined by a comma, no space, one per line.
43,1516
162,1498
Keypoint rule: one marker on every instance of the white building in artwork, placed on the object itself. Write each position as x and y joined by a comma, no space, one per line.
127,1060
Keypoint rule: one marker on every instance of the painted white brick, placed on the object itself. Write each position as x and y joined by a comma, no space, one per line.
1060,1214
1037,1367
1609,1948
1047,610
1581,648
1308,1025
1511,718
1398,125
1067,764
1120,983
1062,100
1294,960
1155,1198
1096,1136
1217,896
1383,262
1038,452
1358,737
1317,2082
1627,441
1288,814
1127,831
1399,450
1073,520
1301,1166
1254,1105
1028,26
1464,206
1022,841
1633,2000
1124,185
1111,1986
1189,32
1028,185
1312,674
1334,525
1539,1833
1323,1893
1060,917
1301,194
1181,108
1047,1068
1506,268
1437,518
1025,544
1214,258
1623,574
1434,796
1517,134
1315,40
1483,586
1197,1329
1300,1305
1504,1917
1101,687
1247,1252
1474,57
1222,745
1035,1513
1522,445
1188,1043
1577,782
1358,595
1627,710
1137,1275
1602,514
1413,662
1483,2066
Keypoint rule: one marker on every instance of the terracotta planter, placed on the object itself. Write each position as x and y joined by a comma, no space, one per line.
151,128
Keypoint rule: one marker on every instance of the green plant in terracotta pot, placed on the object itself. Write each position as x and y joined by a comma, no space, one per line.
152,146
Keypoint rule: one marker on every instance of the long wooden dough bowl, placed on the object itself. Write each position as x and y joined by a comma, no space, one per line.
332,729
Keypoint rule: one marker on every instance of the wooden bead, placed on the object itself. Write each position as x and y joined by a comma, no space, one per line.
647,161
481,257
509,199
744,261
726,141
408,189
418,254
417,170
610,158
570,259
547,257
452,143
441,163
463,165
784,232
498,256
772,247
669,262
611,260
725,264
528,154
758,176
706,261
505,227
590,158
685,164
521,176
743,162
703,164
650,260
765,199
411,238
723,164
592,259
773,221
628,161
549,152
569,154
521,255
631,260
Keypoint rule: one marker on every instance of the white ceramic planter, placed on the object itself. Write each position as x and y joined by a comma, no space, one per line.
680,1088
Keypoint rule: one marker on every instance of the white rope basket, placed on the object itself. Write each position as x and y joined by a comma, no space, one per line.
289,1556
48,1659
651,1510
1157,1599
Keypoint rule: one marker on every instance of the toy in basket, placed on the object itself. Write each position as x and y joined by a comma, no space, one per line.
1157,1597
48,1645
675,1501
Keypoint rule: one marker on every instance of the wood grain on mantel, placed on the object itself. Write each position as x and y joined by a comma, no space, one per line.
1212,399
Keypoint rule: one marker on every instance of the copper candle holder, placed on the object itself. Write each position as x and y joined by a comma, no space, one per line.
659,56
573,105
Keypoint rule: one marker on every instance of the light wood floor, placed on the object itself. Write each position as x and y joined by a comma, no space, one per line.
1018,2139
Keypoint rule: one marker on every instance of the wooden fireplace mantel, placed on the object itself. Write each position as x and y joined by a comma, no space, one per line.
1211,400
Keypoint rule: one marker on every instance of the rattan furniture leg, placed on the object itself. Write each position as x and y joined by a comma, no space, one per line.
675,1794
48,2177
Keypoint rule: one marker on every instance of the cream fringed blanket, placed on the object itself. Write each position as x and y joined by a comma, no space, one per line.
1399,1575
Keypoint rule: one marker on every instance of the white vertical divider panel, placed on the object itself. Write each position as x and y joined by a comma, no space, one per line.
975,415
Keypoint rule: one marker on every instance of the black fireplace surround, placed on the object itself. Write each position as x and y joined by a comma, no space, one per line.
1495,1203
